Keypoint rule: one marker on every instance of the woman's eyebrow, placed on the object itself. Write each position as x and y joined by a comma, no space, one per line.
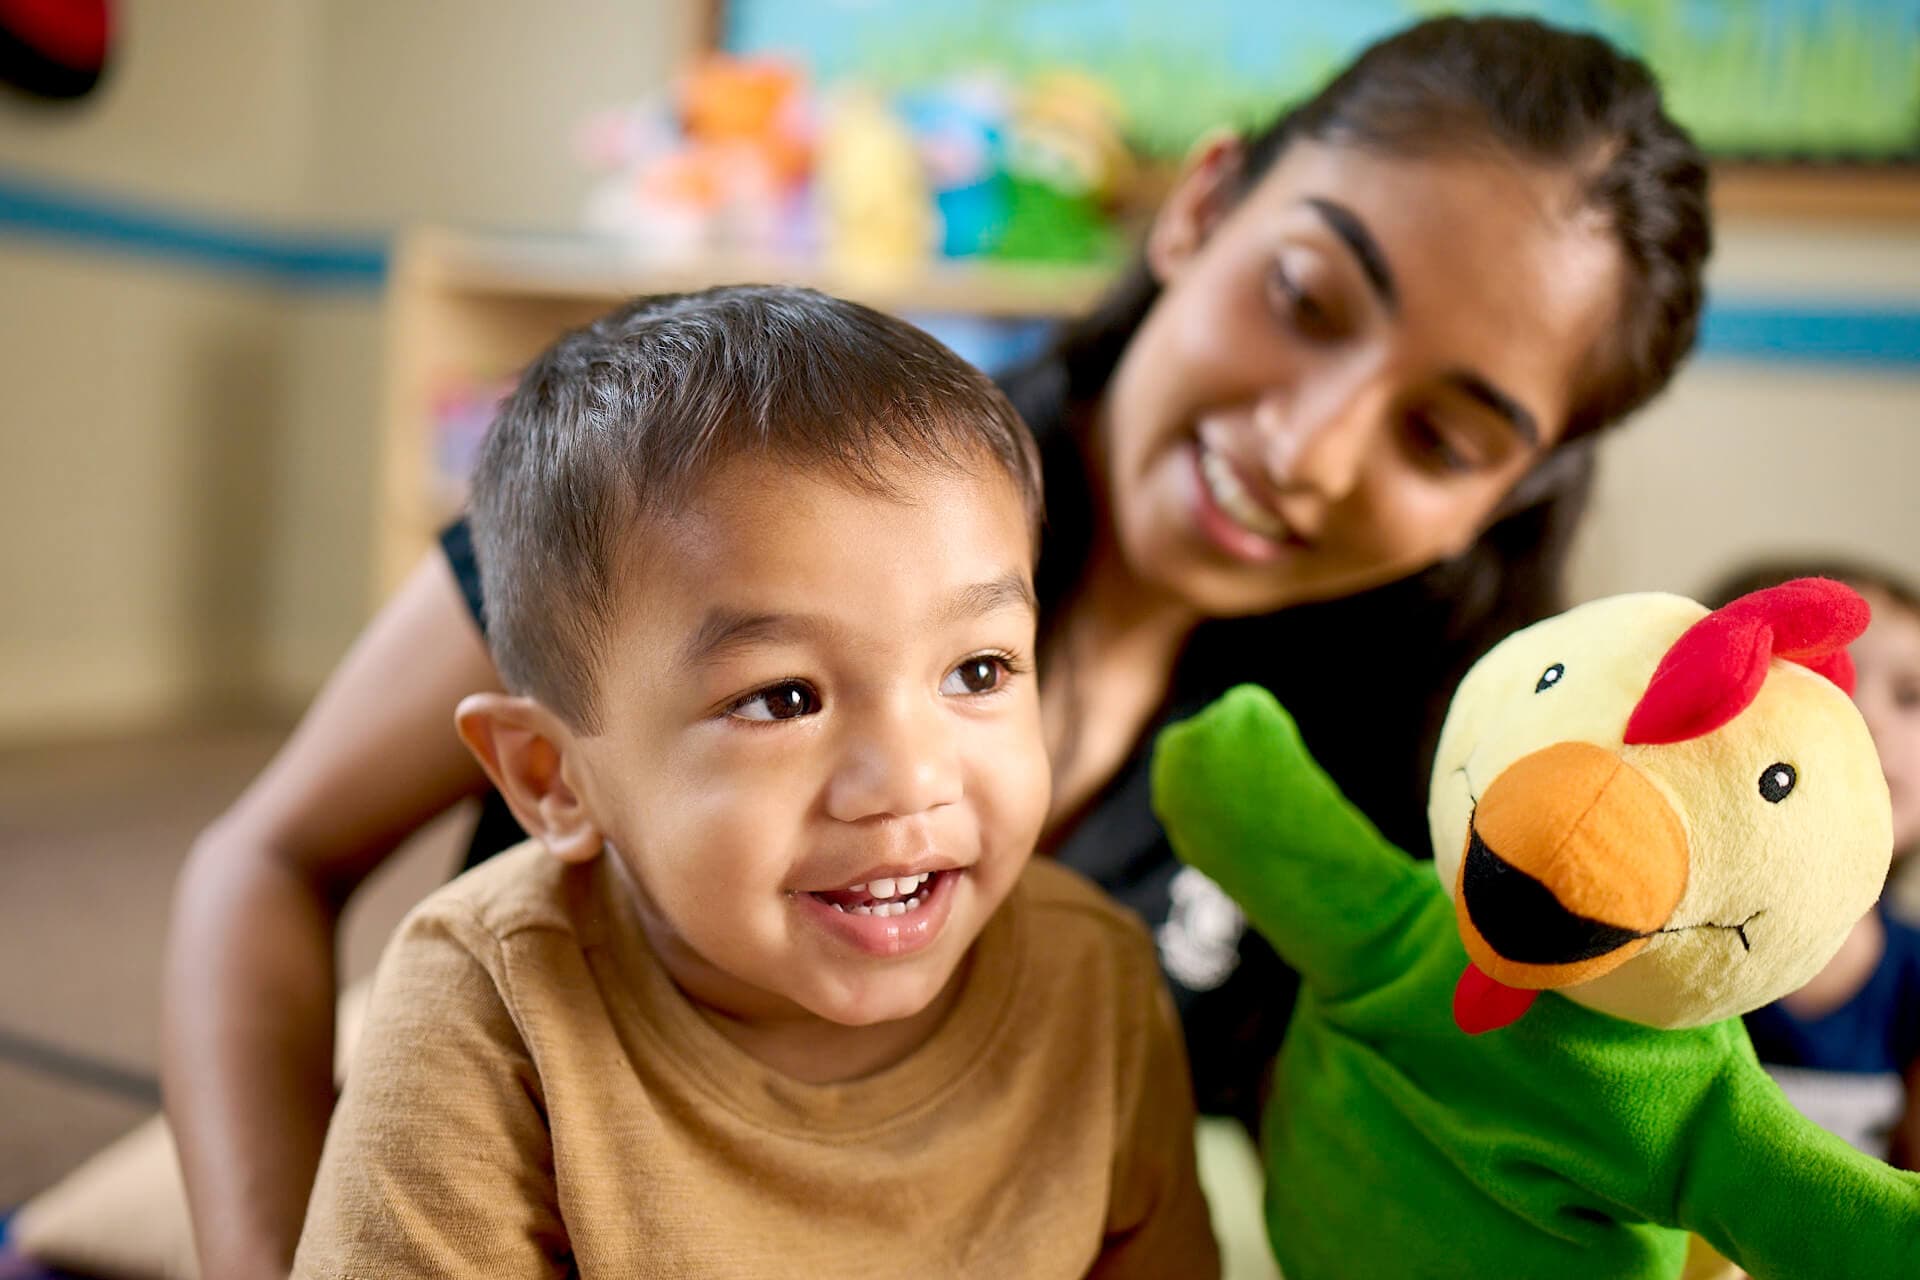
1346,224
1510,410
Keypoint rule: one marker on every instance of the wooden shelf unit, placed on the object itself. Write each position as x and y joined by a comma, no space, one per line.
473,308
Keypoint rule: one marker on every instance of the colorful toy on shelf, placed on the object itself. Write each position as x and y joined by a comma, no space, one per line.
740,156
877,216
959,130
1067,164
717,164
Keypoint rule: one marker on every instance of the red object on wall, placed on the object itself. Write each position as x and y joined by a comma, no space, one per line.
55,48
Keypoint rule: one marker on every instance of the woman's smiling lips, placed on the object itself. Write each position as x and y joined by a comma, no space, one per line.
885,913
1230,514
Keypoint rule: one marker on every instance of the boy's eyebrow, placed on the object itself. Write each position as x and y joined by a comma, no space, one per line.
1009,590
724,629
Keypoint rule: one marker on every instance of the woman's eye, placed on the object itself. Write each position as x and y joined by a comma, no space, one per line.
784,701
976,675
1306,312
1433,445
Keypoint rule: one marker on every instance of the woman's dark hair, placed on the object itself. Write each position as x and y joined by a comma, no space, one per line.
1555,98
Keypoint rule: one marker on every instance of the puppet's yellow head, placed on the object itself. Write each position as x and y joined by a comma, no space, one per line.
1665,814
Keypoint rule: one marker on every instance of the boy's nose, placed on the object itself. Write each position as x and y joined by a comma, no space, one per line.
900,763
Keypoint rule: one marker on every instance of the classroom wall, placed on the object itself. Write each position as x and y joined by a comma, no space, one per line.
1758,455
420,118
137,400
187,528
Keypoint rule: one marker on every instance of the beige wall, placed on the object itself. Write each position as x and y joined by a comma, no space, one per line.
189,456
205,106
139,399
1755,457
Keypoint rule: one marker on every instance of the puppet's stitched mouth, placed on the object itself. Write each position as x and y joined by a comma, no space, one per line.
1738,929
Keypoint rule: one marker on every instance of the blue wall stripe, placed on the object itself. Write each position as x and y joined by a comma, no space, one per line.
1782,329
1793,330
83,219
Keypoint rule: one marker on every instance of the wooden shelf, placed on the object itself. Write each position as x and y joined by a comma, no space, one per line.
1841,193
602,270
467,308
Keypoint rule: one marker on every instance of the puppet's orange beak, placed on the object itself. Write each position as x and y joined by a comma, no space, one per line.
1574,859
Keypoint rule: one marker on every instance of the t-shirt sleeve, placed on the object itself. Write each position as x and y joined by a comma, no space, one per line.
1157,1219
456,542
438,1161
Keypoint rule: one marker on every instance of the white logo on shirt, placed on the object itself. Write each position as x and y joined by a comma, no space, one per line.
1200,941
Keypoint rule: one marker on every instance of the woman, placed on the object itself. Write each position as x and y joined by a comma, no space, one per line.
1330,435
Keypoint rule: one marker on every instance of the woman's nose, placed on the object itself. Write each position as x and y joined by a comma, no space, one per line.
1317,443
897,762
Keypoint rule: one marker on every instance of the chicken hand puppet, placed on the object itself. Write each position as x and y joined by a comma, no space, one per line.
1647,819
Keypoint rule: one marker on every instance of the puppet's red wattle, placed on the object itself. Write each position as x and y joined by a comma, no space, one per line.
1481,1004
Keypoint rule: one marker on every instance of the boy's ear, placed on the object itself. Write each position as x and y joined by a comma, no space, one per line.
1200,197
523,748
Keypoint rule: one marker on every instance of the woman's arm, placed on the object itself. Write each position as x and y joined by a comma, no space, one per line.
247,1058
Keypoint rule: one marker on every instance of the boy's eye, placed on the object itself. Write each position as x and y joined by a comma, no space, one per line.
783,701
983,674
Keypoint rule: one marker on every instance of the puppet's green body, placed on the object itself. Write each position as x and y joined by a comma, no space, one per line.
1568,1145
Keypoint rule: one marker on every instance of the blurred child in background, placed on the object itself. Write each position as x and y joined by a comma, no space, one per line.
1846,1047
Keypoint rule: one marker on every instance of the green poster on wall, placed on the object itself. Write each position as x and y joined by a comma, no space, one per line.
1773,79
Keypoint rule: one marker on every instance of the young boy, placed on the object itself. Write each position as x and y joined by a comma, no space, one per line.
775,989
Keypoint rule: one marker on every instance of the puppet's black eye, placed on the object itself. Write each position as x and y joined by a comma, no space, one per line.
1776,780
1550,677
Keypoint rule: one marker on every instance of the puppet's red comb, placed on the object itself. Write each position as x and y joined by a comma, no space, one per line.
1715,669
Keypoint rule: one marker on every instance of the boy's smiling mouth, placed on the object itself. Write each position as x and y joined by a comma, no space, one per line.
886,912
882,895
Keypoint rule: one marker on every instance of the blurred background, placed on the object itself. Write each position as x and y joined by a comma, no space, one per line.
264,269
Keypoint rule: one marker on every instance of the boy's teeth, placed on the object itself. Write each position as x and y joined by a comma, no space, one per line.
880,908
890,886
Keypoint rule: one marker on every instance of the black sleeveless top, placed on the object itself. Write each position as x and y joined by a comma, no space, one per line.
1367,679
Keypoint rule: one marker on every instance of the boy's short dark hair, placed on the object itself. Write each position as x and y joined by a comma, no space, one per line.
620,421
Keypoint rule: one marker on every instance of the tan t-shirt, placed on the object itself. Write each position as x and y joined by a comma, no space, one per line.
534,1096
